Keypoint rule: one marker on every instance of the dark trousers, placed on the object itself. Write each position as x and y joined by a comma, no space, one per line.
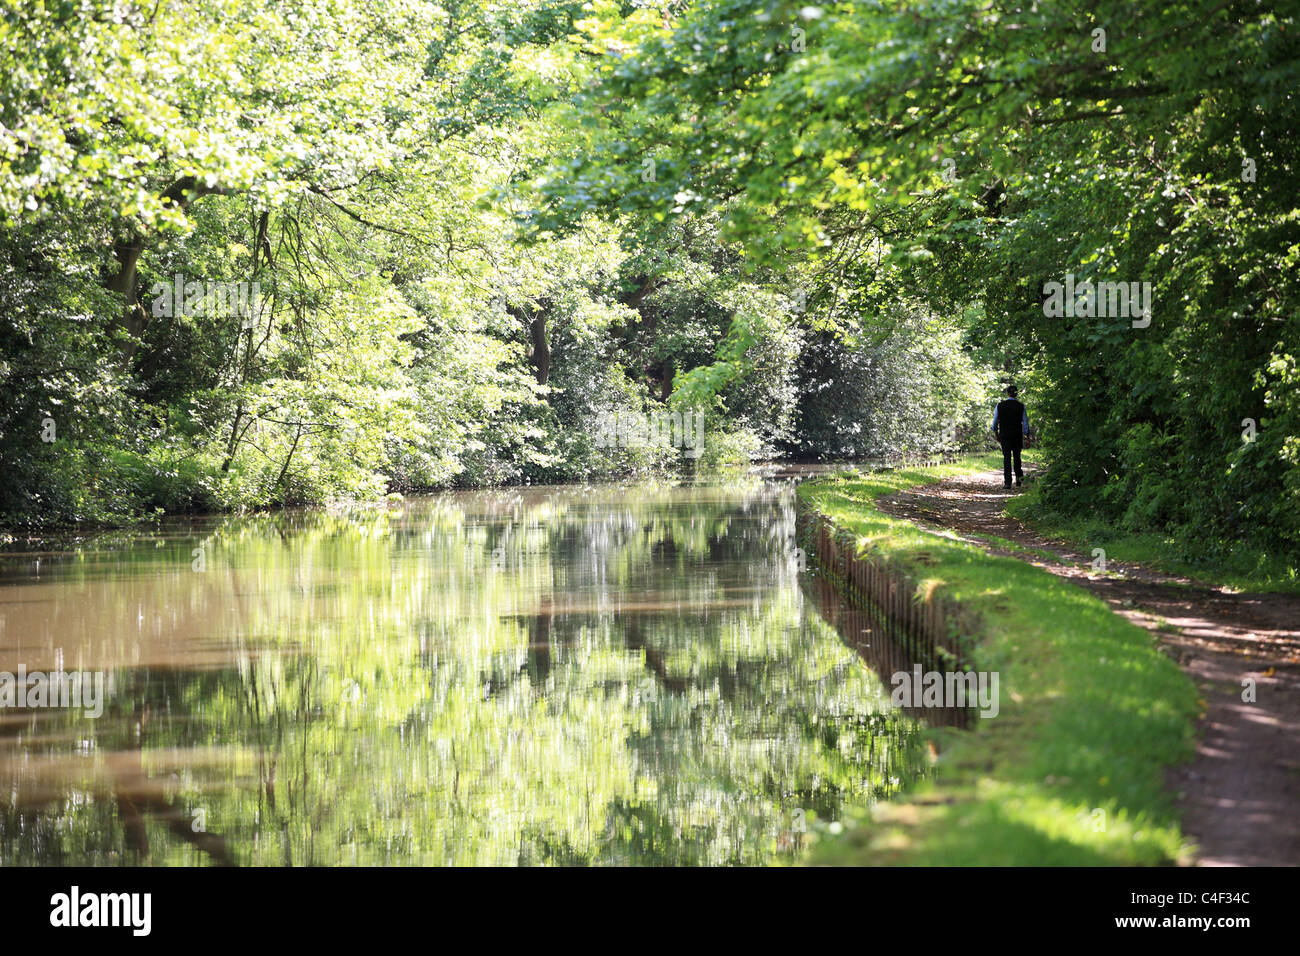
1011,447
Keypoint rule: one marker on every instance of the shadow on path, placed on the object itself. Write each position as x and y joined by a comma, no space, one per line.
1240,797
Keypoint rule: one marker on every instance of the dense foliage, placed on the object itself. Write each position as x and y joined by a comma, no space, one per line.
477,229
259,254
989,150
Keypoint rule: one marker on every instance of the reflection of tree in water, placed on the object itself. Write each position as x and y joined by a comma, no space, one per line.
126,796
637,681
752,732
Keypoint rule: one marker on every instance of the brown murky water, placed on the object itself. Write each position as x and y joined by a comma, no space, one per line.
613,674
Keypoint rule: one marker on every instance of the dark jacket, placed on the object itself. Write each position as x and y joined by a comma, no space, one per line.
1009,410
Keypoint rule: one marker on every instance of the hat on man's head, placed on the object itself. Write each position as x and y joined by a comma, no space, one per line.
1011,390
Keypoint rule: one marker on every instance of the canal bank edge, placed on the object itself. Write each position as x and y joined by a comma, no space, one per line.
1071,771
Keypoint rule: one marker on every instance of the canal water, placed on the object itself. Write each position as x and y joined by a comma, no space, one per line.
626,674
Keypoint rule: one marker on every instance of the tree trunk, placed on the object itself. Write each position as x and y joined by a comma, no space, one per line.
260,243
540,353
132,316
180,193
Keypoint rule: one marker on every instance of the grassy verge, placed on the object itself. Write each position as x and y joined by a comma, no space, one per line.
1071,771
1222,564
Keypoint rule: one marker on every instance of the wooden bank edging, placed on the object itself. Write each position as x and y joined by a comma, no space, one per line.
922,625
1074,772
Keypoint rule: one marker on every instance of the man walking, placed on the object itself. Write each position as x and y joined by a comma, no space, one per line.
1010,426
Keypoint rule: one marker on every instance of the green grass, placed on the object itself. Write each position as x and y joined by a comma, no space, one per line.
1232,565
1091,715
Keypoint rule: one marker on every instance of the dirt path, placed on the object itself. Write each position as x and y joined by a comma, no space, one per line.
1240,797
